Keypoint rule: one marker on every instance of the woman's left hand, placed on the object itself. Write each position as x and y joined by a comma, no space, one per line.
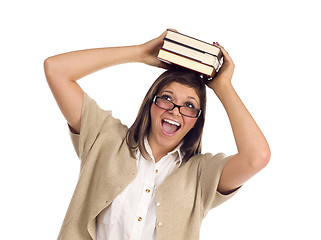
224,76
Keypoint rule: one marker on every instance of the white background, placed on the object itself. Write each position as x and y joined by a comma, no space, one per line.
276,48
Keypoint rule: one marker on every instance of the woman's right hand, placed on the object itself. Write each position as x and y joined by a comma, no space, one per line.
150,50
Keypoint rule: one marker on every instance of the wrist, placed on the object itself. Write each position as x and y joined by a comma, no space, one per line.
135,53
141,53
220,88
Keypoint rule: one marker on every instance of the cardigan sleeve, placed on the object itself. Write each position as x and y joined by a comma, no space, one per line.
210,171
92,120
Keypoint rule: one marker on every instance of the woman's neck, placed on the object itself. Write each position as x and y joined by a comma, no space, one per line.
157,150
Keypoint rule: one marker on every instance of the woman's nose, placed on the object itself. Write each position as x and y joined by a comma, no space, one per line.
175,111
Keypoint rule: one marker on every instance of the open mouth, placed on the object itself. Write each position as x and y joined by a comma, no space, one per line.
170,127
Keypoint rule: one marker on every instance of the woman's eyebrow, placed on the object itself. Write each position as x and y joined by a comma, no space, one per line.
188,97
168,92
192,98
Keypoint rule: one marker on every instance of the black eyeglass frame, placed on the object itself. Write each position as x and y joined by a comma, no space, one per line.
199,111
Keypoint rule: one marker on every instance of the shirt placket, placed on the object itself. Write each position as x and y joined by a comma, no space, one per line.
141,212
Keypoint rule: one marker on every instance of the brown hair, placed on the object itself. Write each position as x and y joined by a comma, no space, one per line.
140,128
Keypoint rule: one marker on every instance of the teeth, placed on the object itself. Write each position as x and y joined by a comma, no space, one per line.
172,122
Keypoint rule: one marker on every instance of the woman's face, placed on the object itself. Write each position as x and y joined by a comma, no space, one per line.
168,128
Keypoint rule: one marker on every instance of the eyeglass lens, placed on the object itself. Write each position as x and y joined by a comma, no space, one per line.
167,105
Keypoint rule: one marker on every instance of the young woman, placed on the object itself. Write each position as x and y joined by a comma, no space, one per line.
150,181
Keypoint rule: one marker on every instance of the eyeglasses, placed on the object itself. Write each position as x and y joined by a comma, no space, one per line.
169,105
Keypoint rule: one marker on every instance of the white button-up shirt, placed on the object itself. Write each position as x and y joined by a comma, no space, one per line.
132,215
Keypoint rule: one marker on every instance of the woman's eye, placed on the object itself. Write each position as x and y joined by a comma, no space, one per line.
166,97
188,104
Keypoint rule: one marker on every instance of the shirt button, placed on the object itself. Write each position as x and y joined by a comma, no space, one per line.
158,204
159,224
147,190
140,219
156,171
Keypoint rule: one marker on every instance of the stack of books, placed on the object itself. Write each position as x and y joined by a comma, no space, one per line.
191,53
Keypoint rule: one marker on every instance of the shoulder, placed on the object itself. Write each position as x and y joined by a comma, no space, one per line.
209,166
206,158
105,118
207,163
98,129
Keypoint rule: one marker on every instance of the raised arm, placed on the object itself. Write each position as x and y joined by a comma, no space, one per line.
253,149
62,72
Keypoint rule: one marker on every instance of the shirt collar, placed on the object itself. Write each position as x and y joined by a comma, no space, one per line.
177,149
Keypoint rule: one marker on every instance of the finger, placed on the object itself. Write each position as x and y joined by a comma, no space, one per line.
172,29
221,47
223,50
226,55
166,66
162,36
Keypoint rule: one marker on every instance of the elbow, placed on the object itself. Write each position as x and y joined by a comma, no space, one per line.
48,66
53,69
265,158
261,159
257,159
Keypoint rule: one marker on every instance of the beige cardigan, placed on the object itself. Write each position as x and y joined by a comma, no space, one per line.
186,195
